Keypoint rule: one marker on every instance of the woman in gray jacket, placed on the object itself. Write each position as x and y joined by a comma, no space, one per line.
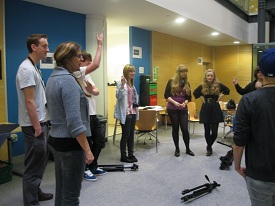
127,112
69,112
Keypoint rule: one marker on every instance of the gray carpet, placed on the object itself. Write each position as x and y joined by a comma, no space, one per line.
159,181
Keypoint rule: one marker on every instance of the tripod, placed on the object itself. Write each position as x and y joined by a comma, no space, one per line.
119,167
199,191
226,161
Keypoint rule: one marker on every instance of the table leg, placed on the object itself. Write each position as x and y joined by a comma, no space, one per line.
114,135
14,171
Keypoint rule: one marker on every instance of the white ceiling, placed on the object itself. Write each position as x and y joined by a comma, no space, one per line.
120,14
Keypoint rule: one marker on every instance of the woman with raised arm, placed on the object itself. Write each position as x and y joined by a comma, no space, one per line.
127,112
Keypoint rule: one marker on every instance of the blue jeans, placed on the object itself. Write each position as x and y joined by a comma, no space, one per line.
69,169
36,156
261,193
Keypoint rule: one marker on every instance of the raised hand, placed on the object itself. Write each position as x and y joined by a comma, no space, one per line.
235,81
99,38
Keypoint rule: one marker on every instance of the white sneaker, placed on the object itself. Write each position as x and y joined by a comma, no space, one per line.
99,172
89,176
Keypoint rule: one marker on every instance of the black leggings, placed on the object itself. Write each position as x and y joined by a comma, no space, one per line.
179,118
211,133
127,137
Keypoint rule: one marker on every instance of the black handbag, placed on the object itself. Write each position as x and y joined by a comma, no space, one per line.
231,104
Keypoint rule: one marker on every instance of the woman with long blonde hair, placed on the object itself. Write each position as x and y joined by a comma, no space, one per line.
178,94
210,91
127,112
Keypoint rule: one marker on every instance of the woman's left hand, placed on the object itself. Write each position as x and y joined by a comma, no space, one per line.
183,105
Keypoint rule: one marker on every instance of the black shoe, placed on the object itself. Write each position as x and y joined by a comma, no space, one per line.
189,152
132,157
44,196
126,159
209,151
177,153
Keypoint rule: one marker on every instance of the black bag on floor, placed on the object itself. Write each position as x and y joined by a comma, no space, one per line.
231,104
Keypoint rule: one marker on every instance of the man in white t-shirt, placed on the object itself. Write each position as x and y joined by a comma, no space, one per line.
97,140
32,117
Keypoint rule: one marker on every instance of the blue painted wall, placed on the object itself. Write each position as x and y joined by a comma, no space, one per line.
140,38
23,18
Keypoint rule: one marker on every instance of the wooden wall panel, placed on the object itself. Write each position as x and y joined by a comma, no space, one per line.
174,51
230,62
207,53
163,51
227,61
3,112
164,74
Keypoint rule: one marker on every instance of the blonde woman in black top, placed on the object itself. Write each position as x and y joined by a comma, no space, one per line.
178,94
210,91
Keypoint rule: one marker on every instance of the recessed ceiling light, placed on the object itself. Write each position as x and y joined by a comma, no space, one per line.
215,33
236,42
180,20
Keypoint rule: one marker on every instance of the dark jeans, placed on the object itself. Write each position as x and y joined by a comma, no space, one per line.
179,118
69,169
211,133
96,141
127,138
36,155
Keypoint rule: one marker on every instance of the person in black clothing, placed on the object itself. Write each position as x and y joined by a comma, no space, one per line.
256,137
178,94
210,91
252,86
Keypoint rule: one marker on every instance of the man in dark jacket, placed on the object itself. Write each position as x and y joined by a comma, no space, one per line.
255,133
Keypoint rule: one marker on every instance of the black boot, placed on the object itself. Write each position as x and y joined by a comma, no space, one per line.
177,153
126,159
133,158
189,152
209,151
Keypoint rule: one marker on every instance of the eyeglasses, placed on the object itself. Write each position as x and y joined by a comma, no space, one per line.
79,56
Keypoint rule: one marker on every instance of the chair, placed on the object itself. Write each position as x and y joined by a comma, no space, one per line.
165,115
192,115
147,125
